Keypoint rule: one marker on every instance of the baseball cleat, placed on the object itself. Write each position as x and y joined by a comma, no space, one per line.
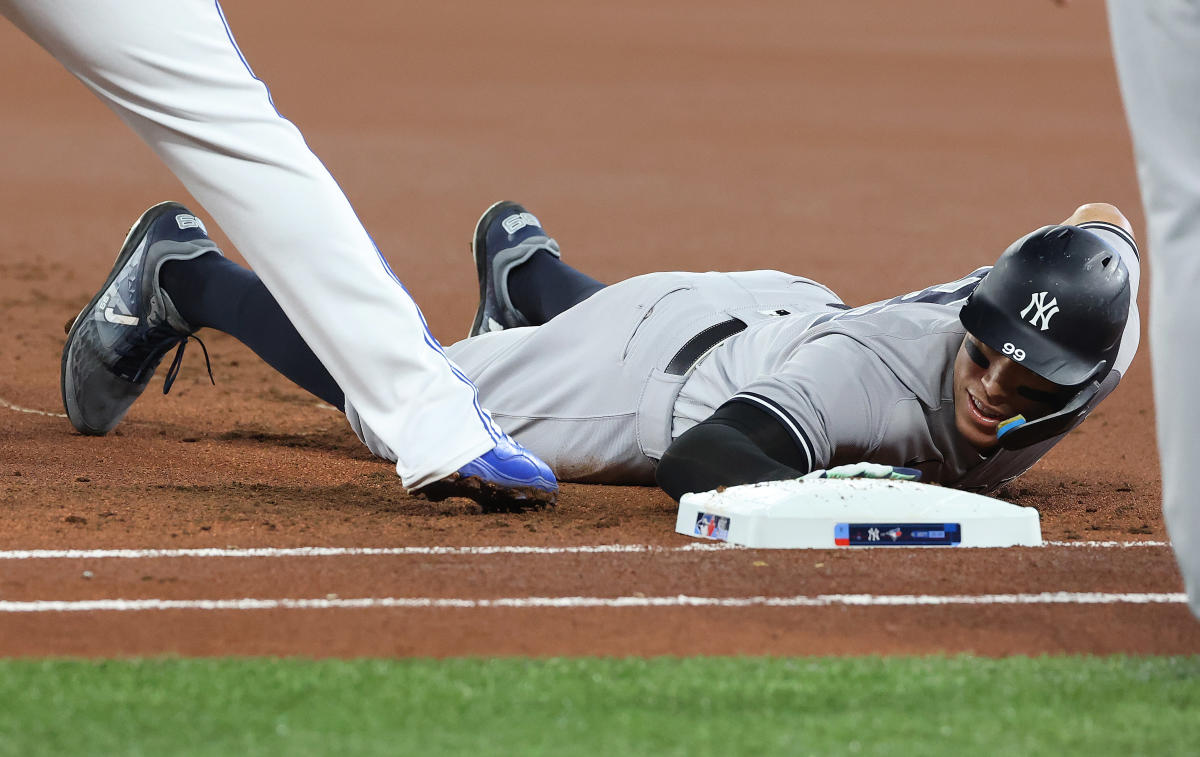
507,477
118,340
506,236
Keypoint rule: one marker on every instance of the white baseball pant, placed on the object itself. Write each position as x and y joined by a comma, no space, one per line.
173,73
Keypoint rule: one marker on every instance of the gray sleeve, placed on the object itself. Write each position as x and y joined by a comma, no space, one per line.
1123,244
833,394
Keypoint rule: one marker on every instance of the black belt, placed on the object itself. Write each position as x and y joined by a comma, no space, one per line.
697,346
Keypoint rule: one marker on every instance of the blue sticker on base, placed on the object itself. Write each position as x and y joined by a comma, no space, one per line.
897,534
712,526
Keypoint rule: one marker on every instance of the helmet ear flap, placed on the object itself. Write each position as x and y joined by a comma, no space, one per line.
1054,424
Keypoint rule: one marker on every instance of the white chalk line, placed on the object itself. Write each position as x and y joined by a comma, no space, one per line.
31,411
139,554
133,554
6,404
532,603
1106,544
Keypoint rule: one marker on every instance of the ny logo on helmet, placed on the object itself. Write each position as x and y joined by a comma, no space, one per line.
1045,310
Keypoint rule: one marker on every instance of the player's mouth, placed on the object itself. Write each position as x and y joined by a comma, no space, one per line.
984,416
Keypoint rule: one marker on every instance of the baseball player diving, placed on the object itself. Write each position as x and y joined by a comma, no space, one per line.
699,380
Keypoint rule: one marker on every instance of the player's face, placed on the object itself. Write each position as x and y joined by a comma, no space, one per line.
990,388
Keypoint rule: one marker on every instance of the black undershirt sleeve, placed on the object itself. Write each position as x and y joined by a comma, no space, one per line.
738,444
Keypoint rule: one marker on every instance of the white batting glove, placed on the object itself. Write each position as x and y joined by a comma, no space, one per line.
867,470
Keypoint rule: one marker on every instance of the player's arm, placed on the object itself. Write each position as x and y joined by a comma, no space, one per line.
1100,211
1114,228
830,398
741,443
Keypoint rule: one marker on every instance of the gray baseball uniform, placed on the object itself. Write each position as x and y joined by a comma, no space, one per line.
600,391
1156,44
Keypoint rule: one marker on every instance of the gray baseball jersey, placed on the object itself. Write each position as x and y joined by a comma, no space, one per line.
600,391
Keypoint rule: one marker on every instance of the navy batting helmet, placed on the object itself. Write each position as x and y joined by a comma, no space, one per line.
1056,302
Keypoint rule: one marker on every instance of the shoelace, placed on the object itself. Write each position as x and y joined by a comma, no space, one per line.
153,344
173,371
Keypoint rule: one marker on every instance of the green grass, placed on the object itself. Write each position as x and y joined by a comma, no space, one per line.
693,706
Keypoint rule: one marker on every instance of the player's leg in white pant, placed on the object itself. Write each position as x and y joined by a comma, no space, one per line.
172,72
1156,44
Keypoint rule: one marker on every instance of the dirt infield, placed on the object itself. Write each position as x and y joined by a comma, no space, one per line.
873,147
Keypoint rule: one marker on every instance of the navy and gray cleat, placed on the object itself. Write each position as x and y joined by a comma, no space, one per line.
506,236
118,340
508,477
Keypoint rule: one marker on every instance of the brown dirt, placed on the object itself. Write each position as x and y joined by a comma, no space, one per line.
876,147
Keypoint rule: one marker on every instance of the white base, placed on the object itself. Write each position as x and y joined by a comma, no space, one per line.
806,514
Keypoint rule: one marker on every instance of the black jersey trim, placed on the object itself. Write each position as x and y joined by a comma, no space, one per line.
1115,229
794,430
952,294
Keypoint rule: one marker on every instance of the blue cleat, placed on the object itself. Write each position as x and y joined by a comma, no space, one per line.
115,343
508,477
506,236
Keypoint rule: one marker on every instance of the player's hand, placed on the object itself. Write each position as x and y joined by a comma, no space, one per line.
867,470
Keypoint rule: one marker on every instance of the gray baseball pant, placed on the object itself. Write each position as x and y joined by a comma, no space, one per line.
1156,44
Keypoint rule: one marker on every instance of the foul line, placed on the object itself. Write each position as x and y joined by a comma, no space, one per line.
1106,544
31,411
525,603
135,554
6,404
